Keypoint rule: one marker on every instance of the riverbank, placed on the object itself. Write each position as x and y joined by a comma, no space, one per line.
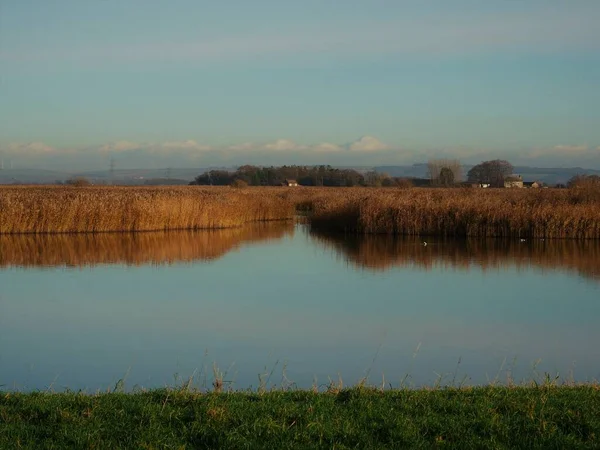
545,416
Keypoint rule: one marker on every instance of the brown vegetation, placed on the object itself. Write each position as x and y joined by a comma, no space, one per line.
385,252
100,209
523,213
86,249
239,184
78,182
546,213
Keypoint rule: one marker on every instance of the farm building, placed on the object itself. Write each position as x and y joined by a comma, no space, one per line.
513,181
532,184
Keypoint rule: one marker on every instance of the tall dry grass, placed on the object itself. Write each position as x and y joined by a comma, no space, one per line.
524,213
164,247
101,209
381,253
531,213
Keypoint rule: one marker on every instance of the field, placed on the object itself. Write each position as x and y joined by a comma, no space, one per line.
537,416
520,213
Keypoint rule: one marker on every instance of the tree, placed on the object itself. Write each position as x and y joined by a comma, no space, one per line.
451,166
214,177
446,177
374,178
493,172
584,181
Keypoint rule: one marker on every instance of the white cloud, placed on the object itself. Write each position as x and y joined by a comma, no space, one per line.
190,144
367,144
120,146
242,147
284,145
571,148
558,151
30,147
326,147
368,150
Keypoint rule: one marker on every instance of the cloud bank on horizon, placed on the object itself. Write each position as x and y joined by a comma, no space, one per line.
365,151
179,83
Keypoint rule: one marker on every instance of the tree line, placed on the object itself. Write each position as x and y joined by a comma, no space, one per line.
323,175
441,173
448,172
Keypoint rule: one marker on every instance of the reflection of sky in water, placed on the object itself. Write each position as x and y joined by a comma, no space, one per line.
292,301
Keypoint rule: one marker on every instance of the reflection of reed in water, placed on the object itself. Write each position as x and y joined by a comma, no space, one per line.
383,252
132,248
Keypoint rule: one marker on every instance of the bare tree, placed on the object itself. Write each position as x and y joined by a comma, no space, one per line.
374,178
584,181
446,177
439,171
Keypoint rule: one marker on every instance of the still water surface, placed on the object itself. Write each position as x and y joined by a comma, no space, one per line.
82,312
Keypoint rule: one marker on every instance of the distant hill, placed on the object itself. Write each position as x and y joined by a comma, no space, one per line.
35,176
123,176
552,175
140,176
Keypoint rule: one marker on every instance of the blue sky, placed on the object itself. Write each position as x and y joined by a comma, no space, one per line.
195,83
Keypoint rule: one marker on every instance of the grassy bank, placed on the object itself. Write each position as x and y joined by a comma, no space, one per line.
485,417
520,213
101,209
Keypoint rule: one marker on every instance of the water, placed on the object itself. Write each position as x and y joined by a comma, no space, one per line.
293,307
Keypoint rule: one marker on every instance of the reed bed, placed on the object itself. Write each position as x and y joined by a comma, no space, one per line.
381,253
156,248
522,213
531,213
125,209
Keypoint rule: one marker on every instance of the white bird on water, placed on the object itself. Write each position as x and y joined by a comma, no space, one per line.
522,240
424,244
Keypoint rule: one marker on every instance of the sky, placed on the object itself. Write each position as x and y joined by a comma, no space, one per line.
192,83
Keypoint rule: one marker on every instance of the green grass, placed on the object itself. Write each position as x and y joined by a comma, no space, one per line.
545,417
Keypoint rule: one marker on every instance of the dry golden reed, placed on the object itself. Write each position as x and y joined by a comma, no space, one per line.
162,247
101,209
522,213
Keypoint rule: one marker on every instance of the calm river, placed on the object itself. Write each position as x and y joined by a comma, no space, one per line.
282,304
